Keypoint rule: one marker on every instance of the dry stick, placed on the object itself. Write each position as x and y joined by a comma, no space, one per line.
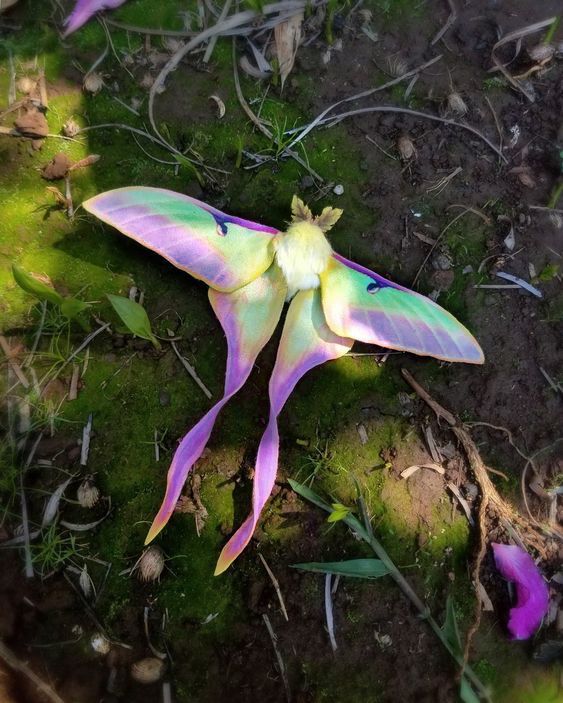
190,369
276,585
262,127
13,364
334,119
497,123
364,94
75,353
17,664
281,664
449,23
213,40
438,240
162,144
232,22
489,496
518,34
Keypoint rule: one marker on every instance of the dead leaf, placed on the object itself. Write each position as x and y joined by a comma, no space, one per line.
220,105
287,35
415,467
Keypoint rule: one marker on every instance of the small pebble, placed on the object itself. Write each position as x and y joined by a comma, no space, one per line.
338,189
164,398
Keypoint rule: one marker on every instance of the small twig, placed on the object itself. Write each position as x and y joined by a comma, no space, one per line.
281,665
86,434
438,240
334,119
213,40
276,585
262,127
190,369
329,613
497,123
16,368
518,34
464,504
320,118
77,351
17,664
448,25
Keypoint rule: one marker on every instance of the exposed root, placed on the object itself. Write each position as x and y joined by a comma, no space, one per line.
529,531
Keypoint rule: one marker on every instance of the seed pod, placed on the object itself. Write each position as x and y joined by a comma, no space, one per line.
100,643
71,128
405,147
93,83
456,104
148,670
26,85
541,53
86,582
397,66
88,493
150,565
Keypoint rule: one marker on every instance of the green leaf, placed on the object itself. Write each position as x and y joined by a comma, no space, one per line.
358,568
450,627
339,512
71,307
34,287
549,272
466,692
134,316
309,494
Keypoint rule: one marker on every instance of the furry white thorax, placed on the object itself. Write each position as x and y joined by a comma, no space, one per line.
302,253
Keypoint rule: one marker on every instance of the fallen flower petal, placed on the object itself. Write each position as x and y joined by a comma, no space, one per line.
84,9
532,595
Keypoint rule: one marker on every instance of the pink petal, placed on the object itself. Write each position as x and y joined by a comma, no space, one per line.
532,595
84,9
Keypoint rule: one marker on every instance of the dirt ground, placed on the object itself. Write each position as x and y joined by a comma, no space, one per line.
444,220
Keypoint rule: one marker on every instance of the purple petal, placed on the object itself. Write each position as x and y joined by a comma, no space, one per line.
83,10
248,317
532,595
306,342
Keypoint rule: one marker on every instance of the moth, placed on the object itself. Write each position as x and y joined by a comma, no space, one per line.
252,270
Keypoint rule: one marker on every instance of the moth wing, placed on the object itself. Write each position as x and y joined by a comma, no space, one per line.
359,303
225,252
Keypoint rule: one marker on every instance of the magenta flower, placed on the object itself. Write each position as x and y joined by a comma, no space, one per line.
532,595
252,270
84,9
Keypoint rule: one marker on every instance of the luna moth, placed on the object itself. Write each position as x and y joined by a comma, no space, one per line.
252,270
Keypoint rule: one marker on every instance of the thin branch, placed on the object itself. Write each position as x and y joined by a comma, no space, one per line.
17,664
281,664
448,25
276,585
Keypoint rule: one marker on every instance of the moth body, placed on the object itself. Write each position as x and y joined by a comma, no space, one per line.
302,253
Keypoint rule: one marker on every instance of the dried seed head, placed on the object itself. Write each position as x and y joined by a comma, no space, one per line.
397,66
150,565
26,85
71,128
100,643
86,582
93,83
456,104
148,670
170,44
405,147
541,53
88,493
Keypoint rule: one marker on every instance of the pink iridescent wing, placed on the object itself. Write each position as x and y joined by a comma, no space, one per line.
306,342
365,306
248,317
224,251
